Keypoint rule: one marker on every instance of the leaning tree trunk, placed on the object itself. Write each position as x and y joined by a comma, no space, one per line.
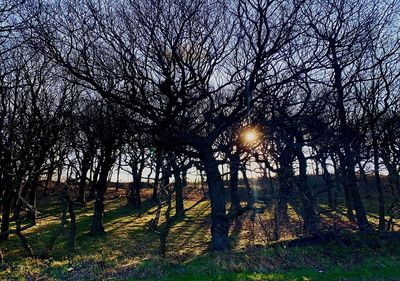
219,219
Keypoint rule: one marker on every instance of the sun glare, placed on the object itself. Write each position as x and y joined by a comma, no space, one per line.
250,136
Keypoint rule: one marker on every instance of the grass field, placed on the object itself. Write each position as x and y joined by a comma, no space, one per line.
129,251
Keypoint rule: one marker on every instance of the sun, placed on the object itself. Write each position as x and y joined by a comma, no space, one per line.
250,136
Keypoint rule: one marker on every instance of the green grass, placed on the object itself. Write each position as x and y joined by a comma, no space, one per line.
129,251
383,271
323,262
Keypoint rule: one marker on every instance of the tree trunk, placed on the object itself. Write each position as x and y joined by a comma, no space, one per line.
310,216
378,182
82,181
346,141
393,177
6,214
250,195
234,175
361,215
94,181
59,174
184,177
97,221
285,176
101,188
137,167
72,238
118,171
219,219
156,177
277,224
179,207
134,198
329,185
271,183
32,200
346,189
364,177
205,194
49,176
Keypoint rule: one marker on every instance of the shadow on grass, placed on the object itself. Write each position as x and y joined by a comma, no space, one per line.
116,216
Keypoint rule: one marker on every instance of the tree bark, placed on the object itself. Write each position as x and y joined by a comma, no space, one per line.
157,177
346,141
97,221
310,216
285,176
234,176
101,188
393,177
49,176
134,198
219,219
329,185
6,214
94,182
364,177
378,182
179,206
82,181
184,176
32,200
